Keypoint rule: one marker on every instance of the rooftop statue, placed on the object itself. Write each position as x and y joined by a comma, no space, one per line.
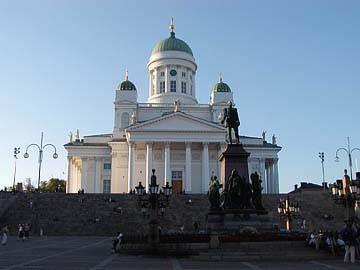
231,120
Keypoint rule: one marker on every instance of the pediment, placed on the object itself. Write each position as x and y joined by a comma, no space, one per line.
177,122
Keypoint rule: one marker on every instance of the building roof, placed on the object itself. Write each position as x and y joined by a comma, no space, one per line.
126,85
221,86
172,44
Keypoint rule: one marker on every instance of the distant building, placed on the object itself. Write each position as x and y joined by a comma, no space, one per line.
305,187
171,132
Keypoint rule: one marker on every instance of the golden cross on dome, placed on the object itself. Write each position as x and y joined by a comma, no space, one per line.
220,76
171,27
126,75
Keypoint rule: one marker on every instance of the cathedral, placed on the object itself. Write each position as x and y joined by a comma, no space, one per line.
171,133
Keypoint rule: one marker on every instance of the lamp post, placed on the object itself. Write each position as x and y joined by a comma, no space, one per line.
349,151
346,192
155,201
288,210
322,157
16,152
41,148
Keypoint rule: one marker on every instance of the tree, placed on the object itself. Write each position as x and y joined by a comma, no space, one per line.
53,185
28,186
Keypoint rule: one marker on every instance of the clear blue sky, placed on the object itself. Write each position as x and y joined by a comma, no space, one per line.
293,67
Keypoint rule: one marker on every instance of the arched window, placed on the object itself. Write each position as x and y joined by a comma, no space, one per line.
124,120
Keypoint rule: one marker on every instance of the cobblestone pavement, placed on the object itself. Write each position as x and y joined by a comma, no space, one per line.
70,253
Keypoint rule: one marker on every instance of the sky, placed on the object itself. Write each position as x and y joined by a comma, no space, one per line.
293,66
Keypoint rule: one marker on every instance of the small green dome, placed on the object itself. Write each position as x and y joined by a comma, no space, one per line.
221,87
126,85
172,44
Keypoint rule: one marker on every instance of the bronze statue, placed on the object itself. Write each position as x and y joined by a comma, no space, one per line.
231,120
256,191
214,194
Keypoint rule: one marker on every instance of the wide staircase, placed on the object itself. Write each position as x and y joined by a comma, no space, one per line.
263,251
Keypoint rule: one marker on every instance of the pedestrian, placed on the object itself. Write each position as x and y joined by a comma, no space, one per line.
117,241
4,232
26,231
349,237
21,232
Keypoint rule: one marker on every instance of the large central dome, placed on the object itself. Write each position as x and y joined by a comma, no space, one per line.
172,44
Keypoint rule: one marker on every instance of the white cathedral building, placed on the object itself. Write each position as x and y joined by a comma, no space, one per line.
171,133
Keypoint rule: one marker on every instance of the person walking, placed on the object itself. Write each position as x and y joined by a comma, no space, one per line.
349,237
21,232
4,232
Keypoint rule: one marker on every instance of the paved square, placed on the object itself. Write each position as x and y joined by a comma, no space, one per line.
72,253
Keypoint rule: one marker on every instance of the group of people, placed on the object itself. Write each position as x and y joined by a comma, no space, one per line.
23,231
345,241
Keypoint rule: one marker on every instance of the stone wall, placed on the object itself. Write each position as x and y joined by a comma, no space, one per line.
93,214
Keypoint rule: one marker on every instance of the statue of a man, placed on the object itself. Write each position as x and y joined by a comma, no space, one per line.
273,139
177,105
70,137
214,194
256,190
231,120
77,136
133,118
264,135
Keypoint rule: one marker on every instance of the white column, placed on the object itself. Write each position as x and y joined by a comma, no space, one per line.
271,178
85,175
188,167
149,165
150,84
167,83
205,167
167,164
98,171
131,166
70,169
276,176
157,82
262,175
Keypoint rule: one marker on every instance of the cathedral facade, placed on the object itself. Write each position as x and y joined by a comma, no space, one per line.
171,133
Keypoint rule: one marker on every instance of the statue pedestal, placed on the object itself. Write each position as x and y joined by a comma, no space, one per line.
234,157
233,221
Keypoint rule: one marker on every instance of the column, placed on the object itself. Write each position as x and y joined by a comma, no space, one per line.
85,175
149,165
150,84
276,176
188,167
98,171
131,166
157,82
271,178
69,176
205,167
167,163
167,83
262,174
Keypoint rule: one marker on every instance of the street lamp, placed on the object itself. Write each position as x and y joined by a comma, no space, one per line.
322,157
156,202
16,152
349,152
41,148
288,210
346,192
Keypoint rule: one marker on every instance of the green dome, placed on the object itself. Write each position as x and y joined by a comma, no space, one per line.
221,87
126,86
172,44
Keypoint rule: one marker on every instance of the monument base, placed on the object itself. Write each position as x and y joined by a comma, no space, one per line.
237,221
